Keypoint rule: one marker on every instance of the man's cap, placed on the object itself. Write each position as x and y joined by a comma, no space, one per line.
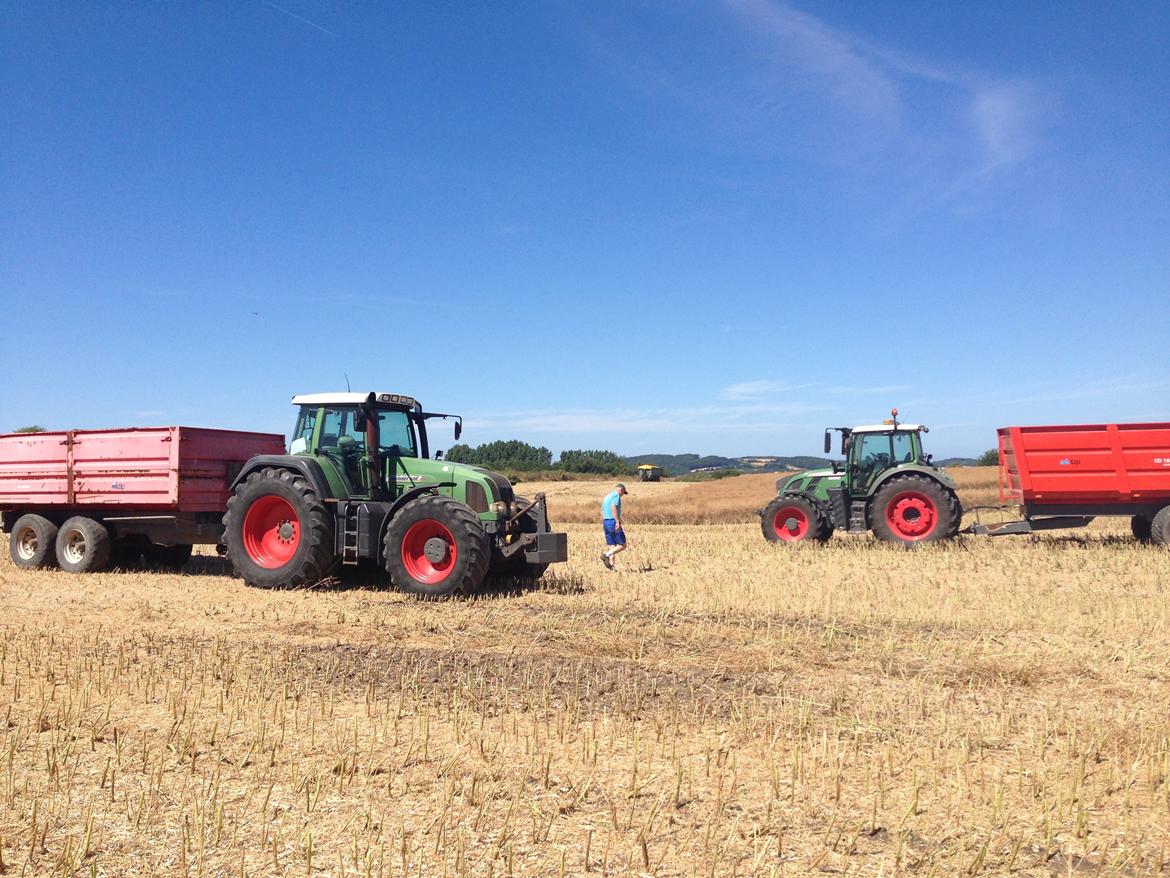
623,487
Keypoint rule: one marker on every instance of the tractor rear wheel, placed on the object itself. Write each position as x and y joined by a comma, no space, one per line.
33,542
1160,527
435,547
914,509
83,545
278,532
1141,527
794,518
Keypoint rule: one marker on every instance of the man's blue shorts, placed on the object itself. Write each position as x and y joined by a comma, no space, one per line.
613,536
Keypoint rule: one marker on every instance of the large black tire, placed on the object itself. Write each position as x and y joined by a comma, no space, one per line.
794,518
1160,527
278,532
914,509
83,545
435,547
33,542
167,557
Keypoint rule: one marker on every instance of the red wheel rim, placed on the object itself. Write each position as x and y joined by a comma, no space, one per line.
272,532
434,566
912,515
790,524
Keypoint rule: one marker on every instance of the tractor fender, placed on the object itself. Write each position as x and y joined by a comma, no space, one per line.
934,475
406,496
306,466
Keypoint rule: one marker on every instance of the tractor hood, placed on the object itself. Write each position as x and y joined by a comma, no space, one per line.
500,484
808,479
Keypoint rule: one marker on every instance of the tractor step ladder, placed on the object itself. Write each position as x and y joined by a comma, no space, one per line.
857,522
349,538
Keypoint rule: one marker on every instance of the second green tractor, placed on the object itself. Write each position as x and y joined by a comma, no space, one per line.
886,484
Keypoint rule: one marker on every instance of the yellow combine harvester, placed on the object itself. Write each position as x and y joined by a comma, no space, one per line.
648,472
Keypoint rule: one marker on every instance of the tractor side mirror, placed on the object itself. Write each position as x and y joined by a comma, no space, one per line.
359,421
828,443
458,430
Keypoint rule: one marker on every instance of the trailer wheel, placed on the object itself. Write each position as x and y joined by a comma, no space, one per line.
794,518
278,532
83,545
1142,528
435,548
1160,527
167,557
914,509
33,542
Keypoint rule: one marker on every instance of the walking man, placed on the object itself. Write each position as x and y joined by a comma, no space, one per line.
611,521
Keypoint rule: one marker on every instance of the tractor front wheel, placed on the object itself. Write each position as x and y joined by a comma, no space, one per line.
278,532
793,518
435,547
914,509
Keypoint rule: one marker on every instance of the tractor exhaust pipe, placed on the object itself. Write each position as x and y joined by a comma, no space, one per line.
373,437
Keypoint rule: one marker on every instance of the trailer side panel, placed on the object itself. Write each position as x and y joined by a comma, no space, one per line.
1085,464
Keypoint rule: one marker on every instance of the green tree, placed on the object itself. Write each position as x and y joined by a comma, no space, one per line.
990,457
34,428
503,454
598,462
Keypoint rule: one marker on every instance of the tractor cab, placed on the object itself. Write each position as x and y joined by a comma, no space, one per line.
367,438
873,449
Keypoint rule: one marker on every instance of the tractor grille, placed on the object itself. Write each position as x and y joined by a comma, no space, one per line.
476,498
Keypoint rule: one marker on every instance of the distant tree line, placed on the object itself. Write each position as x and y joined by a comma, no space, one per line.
512,454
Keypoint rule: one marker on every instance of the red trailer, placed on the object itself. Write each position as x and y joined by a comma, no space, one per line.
1065,476
86,498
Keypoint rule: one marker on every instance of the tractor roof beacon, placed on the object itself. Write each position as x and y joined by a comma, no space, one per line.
359,486
886,484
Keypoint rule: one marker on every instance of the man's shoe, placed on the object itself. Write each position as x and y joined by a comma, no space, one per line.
607,561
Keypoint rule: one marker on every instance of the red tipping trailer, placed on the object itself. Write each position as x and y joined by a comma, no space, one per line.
1064,476
83,498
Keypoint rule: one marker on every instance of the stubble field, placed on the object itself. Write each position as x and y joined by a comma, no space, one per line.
716,706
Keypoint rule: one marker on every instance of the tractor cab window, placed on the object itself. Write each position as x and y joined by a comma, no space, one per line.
302,437
875,451
395,433
903,447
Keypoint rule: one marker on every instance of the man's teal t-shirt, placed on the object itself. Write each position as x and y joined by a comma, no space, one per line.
610,505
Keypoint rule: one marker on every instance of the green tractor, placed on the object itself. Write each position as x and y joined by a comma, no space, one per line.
886,484
359,486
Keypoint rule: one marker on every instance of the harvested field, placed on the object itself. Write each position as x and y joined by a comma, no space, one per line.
716,706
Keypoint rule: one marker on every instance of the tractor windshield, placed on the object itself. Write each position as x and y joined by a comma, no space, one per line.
339,430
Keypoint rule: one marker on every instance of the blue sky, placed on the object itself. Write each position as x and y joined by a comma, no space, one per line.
711,227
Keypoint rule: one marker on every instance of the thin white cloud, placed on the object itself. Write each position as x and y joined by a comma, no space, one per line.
758,389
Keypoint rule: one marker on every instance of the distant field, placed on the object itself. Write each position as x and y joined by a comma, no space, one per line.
717,706
723,501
